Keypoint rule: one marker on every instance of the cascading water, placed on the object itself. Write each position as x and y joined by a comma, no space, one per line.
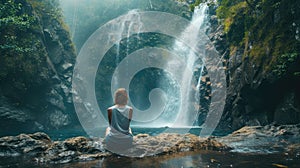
132,23
150,2
182,61
187,114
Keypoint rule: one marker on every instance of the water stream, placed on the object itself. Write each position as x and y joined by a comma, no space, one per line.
187,60
187,113
132,23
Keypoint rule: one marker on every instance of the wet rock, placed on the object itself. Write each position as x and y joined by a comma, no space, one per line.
30,144
167,143
67,66
259,139
12,113
271,138
293,150
250,84
287,111
43,150
47,92
55,99
73,149
58,119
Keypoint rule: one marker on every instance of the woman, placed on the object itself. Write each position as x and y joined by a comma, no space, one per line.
118,135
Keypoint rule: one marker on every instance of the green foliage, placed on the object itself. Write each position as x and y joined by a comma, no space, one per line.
296,74
12,24
266,29
16,41
198,2
50,13
47,9
193,5
283,63
227,8
23,59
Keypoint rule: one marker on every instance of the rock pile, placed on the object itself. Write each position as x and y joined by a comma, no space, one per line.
43,149
250,139
265,139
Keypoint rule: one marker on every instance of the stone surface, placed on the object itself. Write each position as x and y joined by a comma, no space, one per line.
43,150
21,108
264,139
30,144
254,95
283,139
146,145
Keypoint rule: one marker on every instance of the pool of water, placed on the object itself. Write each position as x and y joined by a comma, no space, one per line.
207,159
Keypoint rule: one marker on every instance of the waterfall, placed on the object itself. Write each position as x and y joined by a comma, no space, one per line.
174,95
132,23
151,6
186,115
187,112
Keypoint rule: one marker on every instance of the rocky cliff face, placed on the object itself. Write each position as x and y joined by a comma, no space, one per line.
43,102
255,95
61,58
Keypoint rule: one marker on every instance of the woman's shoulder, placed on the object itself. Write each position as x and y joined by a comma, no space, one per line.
112,107
130,108
122,108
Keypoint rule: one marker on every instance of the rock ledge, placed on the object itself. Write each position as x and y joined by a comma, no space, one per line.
43,149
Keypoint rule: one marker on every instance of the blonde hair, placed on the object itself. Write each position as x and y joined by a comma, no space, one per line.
121,96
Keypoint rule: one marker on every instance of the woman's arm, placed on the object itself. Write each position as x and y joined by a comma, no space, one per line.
130,117
109,112
130,114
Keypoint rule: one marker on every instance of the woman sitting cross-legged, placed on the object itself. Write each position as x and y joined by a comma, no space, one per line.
118,136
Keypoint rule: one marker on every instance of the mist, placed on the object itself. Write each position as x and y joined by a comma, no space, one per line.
83,17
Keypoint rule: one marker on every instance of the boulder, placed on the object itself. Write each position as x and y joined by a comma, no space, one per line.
31,144
267,139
